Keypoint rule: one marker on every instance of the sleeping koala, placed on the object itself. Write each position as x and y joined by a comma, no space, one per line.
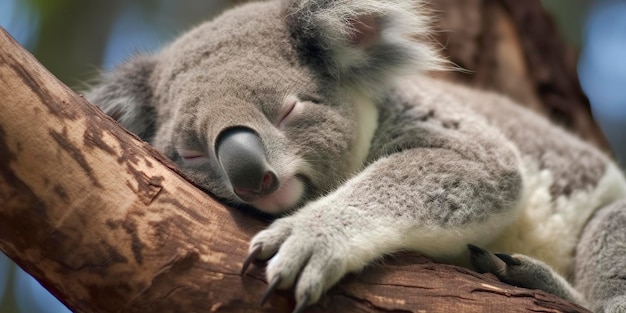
319,111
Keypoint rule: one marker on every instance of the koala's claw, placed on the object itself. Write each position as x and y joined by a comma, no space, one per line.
508,259
475,250
308,264
302,304
254,252
484,261
523,271
270,289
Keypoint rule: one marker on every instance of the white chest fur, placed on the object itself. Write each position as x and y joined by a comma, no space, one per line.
548,229
367,123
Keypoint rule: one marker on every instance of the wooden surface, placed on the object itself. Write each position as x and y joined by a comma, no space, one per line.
108,225
513,47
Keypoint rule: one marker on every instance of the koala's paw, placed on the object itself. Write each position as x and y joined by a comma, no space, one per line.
311,258
523,271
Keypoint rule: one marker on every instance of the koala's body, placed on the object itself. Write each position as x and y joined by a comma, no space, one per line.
319,111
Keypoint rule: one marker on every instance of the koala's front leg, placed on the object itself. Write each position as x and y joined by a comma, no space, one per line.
434,201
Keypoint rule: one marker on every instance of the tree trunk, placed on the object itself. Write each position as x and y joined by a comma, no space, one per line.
513,47
107,224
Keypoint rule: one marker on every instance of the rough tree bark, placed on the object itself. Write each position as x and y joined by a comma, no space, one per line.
514,48
108,225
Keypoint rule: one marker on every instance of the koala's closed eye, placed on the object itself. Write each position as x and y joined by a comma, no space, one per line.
292,108
286,111
192,157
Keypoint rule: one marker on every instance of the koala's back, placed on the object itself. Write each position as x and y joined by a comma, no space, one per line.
565,179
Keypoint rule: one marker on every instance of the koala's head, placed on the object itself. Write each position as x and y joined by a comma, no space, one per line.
262,106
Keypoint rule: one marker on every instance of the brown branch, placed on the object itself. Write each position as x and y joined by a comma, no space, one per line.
107,224
513,47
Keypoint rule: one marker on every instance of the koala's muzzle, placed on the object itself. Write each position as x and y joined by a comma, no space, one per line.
242,156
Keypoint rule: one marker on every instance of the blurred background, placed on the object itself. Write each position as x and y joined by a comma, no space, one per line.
75,39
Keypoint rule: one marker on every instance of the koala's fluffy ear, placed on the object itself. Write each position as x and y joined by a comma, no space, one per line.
125,94
363,42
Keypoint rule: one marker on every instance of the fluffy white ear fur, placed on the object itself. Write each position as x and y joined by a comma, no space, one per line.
365,41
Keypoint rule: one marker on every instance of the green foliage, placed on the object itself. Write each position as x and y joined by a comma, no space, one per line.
570,16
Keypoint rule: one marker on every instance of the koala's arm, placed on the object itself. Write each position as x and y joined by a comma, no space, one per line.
432,200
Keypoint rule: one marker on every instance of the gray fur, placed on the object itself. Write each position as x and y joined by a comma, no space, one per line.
601,260
554,149
443,166
126,95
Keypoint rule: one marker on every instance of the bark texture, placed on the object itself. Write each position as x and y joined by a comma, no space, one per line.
109,225
513,47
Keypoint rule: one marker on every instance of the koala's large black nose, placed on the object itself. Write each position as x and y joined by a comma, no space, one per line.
242,156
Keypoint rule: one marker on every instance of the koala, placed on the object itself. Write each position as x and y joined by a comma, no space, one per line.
322,113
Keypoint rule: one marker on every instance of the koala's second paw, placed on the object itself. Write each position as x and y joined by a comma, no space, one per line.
309,256
523,271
